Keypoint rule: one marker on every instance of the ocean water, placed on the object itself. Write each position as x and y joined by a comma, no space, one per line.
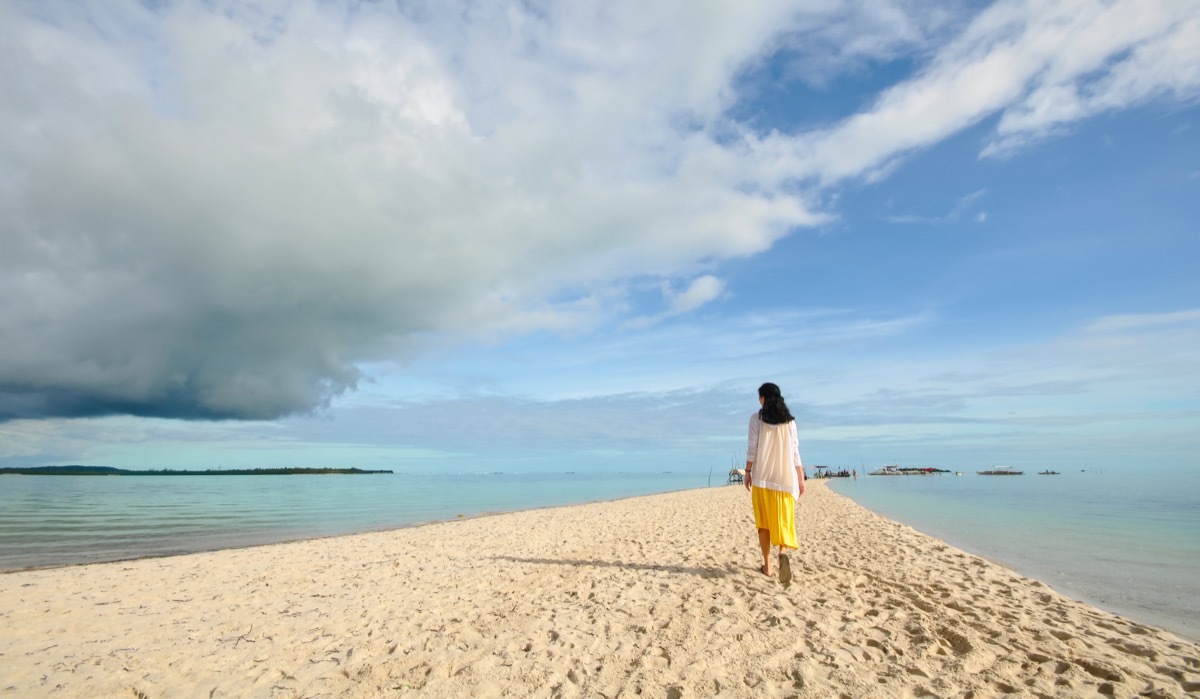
66,520
1127,541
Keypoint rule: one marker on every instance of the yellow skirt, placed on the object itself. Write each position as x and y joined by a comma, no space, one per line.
776,512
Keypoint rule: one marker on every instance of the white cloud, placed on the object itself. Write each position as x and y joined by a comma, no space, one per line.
1121,323
699,292
826,40
1039,65
1098,57
961,207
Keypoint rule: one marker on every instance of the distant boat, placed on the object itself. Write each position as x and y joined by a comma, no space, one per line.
897,470
1001,471
826,472
958,473
1047,473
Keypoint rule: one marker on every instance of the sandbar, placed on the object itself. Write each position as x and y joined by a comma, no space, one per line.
655,596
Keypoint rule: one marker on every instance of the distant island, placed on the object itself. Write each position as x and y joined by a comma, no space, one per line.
110,471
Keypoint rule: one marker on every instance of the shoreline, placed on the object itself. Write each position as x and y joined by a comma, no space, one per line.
656,592
1067,552
321,537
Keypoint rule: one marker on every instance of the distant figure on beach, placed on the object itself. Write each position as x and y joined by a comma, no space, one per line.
775,478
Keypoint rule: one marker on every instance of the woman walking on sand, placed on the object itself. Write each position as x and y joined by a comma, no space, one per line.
775,478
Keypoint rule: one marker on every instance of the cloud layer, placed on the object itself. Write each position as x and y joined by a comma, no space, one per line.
209,211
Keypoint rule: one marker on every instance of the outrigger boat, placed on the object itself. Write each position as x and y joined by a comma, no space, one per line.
896,470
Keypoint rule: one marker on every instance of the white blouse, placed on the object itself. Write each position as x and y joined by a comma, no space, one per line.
774,450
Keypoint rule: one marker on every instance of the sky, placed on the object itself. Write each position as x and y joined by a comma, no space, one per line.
542,236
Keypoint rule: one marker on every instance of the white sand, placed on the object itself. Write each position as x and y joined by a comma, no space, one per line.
656,595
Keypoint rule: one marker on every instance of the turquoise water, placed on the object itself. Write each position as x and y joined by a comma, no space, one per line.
64,520
1126,541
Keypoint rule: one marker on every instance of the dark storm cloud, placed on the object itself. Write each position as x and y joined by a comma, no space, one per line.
210,213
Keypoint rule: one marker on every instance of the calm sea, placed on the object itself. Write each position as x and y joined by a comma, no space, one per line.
1126,541
64,520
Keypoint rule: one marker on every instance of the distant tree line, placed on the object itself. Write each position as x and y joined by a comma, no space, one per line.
110,471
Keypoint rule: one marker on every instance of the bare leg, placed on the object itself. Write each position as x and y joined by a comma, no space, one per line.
764,543
785,565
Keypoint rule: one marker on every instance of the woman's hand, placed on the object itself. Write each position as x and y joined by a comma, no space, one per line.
800,479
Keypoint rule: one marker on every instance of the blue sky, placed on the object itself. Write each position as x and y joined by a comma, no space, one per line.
566,236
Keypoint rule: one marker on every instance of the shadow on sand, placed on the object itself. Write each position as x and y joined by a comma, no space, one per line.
596,563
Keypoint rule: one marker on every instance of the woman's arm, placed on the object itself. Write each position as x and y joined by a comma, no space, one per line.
801,476
751,447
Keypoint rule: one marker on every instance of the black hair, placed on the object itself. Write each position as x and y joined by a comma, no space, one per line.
774,410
